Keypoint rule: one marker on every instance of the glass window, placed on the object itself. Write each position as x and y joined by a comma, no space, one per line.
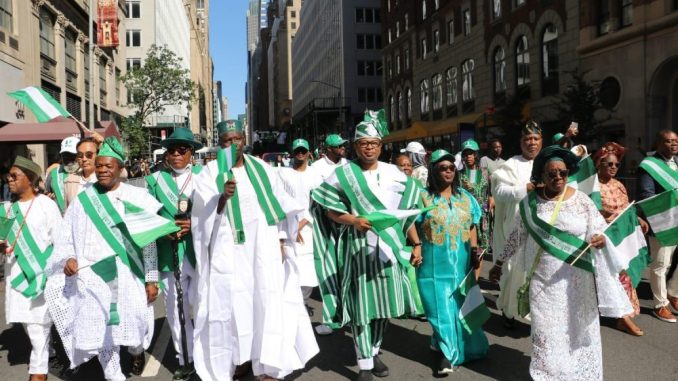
401,106
603,17
407,22
522,62
200,4
467,22
450,31
436,41
378,68
377,41
550,60
377,15
368,15
133,9
369,41
392,109
436,3
69,43
293,14
423,9
437,82
360,41
496,9
467,92
102,75
389,68
133,38
409,102
6,15
422,47
133,64
86,65
423,91
362,97
397,64
361,68
626,12
46,33
451,86
406,54
518,3
499,70
359,15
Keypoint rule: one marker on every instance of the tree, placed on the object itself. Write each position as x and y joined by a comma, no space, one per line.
580,103
161,81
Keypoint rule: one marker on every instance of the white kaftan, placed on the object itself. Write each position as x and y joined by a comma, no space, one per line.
44,219
565,301
299,185
325,167
79,303
249,303
509,186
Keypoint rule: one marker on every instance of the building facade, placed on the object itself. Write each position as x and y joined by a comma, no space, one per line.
450,65
45,43
337,70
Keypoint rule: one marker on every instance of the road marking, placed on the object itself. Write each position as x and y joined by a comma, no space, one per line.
153,365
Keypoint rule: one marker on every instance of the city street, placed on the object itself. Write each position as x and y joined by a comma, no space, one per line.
405,350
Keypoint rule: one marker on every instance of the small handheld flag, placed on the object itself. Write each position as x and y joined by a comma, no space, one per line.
41,104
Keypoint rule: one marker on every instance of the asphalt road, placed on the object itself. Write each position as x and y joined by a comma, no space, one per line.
405,350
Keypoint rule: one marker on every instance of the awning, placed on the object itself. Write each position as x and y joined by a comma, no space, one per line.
420,129
56,129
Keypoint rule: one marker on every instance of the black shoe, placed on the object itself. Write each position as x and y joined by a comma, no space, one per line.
364,375
445,366
509,323
379,369
138,364
184,373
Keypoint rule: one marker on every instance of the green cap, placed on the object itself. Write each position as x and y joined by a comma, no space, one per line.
470,144
557,137
111,147
27,165
374,125
181,135
230,125
554,152
334,140
300,143
441,154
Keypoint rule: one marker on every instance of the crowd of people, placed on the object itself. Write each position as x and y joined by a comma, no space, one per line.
237,246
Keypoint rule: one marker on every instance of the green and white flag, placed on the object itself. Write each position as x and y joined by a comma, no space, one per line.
625,234
145,227
586,180
473,312
384,219
661,212
41,104
107,269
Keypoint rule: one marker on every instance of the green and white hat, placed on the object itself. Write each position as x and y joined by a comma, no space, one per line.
334,140
470,144
111,147
374,125
300,143
230,125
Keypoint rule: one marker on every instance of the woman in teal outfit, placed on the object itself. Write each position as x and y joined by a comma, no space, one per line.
449,248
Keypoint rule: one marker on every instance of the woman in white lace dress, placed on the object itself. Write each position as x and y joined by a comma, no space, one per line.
565,299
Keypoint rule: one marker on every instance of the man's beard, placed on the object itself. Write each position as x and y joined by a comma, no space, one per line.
71,167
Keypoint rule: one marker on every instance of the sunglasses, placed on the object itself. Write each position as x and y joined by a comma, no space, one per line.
88,154
445,168
610,164
301,151
364,144
555,174
180,150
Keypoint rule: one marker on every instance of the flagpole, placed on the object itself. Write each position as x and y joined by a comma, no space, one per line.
608,225
91,65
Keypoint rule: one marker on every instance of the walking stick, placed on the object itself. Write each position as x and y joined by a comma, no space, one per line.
183,213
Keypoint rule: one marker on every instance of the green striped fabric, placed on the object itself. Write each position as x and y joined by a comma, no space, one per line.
41,104
661,212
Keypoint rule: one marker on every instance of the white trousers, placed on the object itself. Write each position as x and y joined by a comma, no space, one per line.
39,335
187,285
109,358
661,262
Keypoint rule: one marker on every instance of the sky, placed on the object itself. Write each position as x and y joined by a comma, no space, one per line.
228,46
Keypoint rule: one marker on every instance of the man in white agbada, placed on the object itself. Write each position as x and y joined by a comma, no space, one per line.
81,303
28,226
335,156
510,184
299,181
172,186
250,307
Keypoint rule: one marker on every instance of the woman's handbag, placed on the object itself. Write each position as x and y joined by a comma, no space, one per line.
524,290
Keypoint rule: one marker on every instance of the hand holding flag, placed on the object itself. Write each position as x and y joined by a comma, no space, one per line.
384,219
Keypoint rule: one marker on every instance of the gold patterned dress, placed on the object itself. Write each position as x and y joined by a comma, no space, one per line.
445,235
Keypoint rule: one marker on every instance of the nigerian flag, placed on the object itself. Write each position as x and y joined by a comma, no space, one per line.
586,180
107,269
43,106
146,227
384,219
473,312
627,237
661,212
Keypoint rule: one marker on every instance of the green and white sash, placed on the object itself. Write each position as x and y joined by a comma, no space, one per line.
29,256
660,172
477,178
268,203
353,182
109,223
552,240
165,190
58,179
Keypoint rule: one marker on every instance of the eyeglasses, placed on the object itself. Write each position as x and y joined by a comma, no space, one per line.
445,168
554,174
370,144
181,150
14,176
612,164
301,151
88,154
